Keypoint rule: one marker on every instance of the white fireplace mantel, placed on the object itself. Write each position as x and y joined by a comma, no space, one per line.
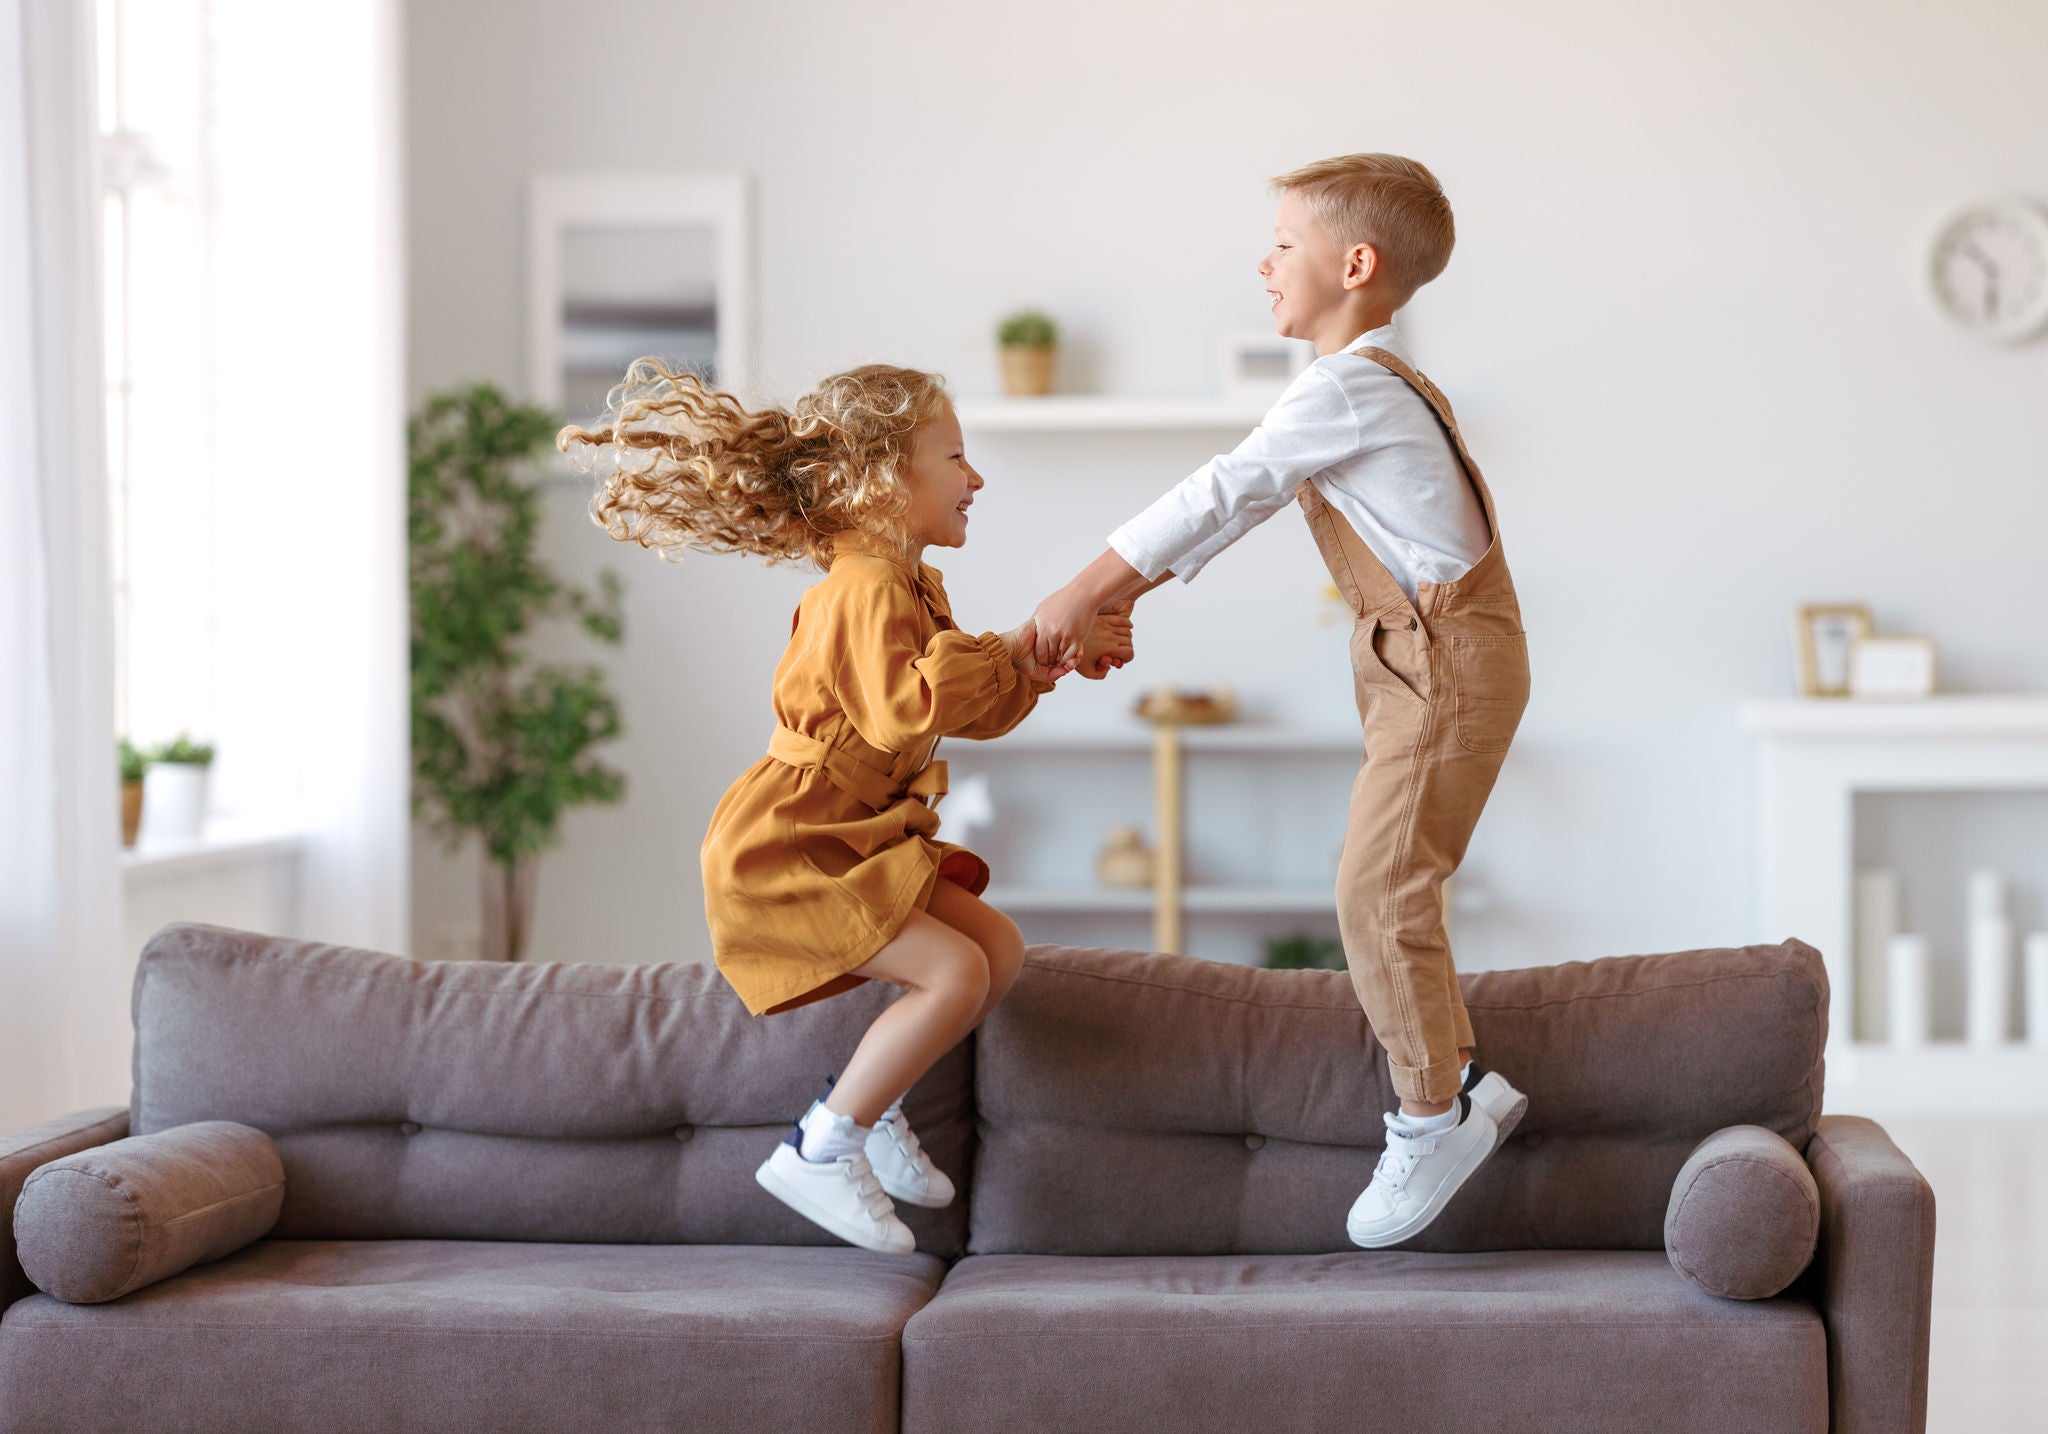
1815,757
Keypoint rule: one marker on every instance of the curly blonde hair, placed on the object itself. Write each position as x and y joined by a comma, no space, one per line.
685,466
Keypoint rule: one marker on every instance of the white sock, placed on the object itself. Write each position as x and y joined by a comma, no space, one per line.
829,1135
1430,1124
895,1109
1464,1074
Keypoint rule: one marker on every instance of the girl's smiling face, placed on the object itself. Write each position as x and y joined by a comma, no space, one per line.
942,484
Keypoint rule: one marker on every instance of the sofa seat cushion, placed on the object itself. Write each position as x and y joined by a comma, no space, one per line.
1549,1339
462,1336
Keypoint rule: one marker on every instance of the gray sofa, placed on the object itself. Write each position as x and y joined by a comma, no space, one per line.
520,1198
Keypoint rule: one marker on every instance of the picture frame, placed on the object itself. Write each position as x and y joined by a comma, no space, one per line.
625,265
1892,668
1260,366
1822,636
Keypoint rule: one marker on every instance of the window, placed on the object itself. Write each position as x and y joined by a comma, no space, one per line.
155,83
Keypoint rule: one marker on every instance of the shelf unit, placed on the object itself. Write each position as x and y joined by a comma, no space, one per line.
1169,900
1815,757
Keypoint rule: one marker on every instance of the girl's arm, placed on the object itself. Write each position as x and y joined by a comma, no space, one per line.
897,689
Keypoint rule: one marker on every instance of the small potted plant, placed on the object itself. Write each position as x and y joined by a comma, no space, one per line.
174,789
1029,340
133,765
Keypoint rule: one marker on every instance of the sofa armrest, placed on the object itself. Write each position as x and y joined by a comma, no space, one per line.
1872,1277
22,1152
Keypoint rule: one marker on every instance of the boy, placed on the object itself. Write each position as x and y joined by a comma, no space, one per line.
1406,525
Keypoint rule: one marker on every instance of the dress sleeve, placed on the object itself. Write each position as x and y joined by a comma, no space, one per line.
1006,711
896,688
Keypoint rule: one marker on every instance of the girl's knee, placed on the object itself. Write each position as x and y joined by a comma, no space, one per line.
961,974
1004,946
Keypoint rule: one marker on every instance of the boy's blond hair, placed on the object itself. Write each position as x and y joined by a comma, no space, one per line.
1391,203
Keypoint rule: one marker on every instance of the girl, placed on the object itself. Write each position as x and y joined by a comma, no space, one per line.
821,867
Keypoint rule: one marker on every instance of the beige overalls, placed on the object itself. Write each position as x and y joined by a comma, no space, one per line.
1441,683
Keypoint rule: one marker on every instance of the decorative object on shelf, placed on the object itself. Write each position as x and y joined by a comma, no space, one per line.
133,765
501,744
1260,366
1891,667
970,803
1304,952
1030,342
1126,860
1331,607
174,789
1822,635
1989,992
1877,921
1987,269
1907,983
2037,991
1188,706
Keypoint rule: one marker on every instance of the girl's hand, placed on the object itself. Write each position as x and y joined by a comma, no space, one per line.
1108,645
1022,643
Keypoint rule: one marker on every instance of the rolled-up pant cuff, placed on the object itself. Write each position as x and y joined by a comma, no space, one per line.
1434,1082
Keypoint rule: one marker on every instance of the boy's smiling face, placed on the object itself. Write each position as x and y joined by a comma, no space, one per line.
1313,287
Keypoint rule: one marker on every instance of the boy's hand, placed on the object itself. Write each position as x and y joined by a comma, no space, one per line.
1063,622
1108,644
1023,647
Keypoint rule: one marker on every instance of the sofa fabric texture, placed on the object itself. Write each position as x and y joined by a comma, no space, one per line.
21,1155
475,1337
488,1101
99,1224
520,1198
1744,1215
1525,1339
1233,1110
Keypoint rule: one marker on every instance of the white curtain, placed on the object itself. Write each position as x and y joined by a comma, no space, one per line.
64,1034
309,481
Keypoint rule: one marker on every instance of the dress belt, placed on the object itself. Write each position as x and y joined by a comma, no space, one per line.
870,786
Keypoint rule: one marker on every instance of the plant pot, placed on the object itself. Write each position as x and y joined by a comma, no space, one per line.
174,800
1027,370
131,811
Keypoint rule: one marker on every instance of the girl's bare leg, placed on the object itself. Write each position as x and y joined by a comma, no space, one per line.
996,934
944,977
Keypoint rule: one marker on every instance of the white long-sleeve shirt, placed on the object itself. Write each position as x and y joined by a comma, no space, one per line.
1372,446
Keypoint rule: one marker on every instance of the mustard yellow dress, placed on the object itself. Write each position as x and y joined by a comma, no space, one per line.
818,854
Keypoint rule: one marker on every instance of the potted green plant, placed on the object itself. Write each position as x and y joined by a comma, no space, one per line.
502,744
1029,341
133,765
174,788
1303,952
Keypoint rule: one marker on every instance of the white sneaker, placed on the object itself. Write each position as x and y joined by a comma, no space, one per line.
1418,1174
1491,1092
841,1196
902,1166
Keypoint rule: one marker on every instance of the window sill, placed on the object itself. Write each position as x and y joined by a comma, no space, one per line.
221,844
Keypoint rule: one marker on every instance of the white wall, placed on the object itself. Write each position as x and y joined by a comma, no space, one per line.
1683,328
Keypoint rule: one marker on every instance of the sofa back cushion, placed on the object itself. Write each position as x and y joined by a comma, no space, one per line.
489,1101
1134,1105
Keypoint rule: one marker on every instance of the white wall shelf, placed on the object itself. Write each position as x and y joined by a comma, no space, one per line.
1092,413
1816,756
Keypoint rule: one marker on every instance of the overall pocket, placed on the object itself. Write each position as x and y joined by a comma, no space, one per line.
1490,687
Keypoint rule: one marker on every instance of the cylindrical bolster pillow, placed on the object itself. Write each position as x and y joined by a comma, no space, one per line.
99,1224
1744,1214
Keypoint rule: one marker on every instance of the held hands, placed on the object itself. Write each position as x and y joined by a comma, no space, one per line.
1108,644
1023,645
1063,623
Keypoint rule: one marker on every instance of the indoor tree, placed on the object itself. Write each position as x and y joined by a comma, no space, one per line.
502,744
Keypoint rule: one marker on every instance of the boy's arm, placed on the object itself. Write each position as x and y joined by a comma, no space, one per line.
1308,430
